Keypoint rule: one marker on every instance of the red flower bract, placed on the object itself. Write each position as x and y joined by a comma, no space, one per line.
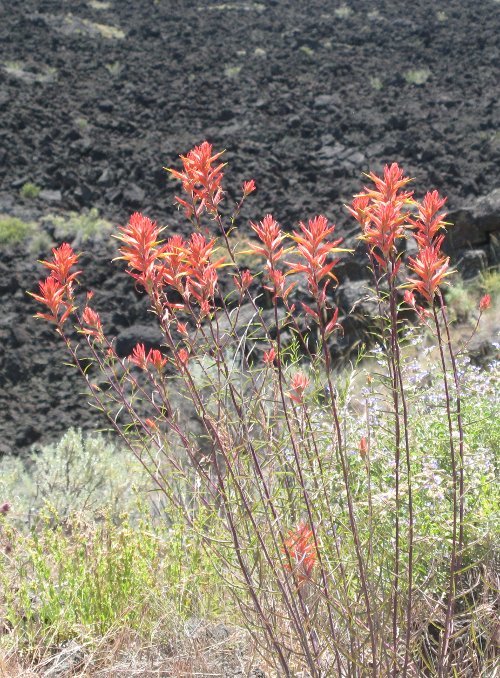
271,236
431,267
56,291
301,552
140,249
314,247
63,259
269,356
201,180
485,302
92,319
298,386
248,187
379,211
430,219
142,359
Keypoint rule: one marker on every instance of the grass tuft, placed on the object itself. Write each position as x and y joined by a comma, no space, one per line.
13,230
30,191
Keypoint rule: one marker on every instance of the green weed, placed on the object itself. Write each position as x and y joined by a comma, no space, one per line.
83,225
14,230
417,76
30,191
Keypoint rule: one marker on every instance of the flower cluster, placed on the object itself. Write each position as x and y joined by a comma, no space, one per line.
314,249
142,359
271,247
140,249
298,386
201,181
184,266
56,291
300,549
93,328
430,266
380,212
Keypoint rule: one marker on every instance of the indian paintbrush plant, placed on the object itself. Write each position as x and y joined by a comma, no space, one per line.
330,579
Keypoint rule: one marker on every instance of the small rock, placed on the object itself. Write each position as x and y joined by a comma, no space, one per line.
51,197
83,195
105,106
134,195
138,334
472,263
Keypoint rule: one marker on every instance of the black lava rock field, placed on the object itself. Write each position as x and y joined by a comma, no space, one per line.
97,97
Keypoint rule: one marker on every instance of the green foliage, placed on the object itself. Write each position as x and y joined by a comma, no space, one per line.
114,68
417,76
461,301
14,230
489,282
30,191
96,560
76,579
78,474
343,12
81,555
376,83
83,225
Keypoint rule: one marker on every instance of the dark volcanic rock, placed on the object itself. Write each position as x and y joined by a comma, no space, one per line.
475,224
472,262
148,335
95,102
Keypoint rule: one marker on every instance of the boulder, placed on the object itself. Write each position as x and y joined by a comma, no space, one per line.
475,225
472,262
150,336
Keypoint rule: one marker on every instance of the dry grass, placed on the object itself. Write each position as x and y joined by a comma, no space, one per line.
206,650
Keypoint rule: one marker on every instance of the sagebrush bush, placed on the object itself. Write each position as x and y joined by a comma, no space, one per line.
14,230
79,474
80,227
30,191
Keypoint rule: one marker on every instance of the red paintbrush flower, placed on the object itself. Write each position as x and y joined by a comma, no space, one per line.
384,227
314,247
142,359
379,211
64,258
140,250
174,266
92,319
183,357
201,275
363,447
485,303
269,356
278,284
54,295
430,219
388,186
56,291
243,282
271,236
138,356
298,386
248,187
201,180
157,359
431,267
301,552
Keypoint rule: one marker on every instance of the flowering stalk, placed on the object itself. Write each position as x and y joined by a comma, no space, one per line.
380,211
